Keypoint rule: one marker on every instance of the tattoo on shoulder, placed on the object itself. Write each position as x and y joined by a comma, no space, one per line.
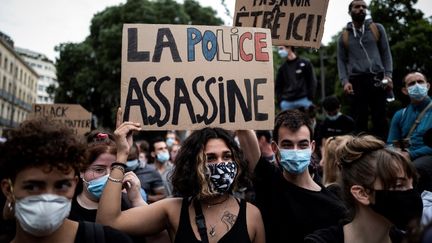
228,219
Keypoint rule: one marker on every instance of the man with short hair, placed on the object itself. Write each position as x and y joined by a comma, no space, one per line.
335,123
161,158
295,83
264,141
291,202
416,87
365,69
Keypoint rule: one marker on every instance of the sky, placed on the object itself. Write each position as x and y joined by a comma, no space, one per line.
40,25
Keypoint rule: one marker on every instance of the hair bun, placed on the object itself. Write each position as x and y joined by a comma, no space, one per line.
357,146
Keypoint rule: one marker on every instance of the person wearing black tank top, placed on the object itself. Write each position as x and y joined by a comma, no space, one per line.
209,168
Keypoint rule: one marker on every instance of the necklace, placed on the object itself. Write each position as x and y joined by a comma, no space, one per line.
209,205
212,231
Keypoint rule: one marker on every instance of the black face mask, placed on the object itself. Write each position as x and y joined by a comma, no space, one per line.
399,207
360,17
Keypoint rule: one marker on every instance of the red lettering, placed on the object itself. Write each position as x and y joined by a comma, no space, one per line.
244,56
259,45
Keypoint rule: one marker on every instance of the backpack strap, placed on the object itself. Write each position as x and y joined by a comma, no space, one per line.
372,26
345,36
200,221
418,119
94,233
375,31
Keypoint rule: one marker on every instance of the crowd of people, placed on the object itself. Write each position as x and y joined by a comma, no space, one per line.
306,180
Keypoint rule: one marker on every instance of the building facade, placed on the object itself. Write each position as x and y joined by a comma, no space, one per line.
46,70
18,85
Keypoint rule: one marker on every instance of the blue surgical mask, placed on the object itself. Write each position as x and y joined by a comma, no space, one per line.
295,161
163,157
96,186
170,142
131,165
283,53
335,117
418,91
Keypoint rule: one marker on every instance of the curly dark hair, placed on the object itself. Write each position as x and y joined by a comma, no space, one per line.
38,142
189,178
293,120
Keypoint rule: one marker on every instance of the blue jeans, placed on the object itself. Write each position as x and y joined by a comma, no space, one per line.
291,105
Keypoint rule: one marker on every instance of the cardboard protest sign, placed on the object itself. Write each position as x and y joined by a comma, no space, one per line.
292,22
74,116
189,77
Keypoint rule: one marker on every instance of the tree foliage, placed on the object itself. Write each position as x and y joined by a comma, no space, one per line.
89,72
409,36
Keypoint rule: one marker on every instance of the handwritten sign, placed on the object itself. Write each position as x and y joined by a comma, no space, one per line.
189,77
292,22
74,116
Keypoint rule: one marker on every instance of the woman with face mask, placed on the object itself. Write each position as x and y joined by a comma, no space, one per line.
378,188
100,154
209,169
39,169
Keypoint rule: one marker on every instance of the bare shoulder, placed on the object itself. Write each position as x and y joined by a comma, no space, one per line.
252,212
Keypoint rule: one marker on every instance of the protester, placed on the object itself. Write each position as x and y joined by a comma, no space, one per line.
330,163
409,125
264,141
291,202
161,160
209,168
364,61
101,153
150,179
295,83
39,168
335,123
173,152
171,139
144,147
378,187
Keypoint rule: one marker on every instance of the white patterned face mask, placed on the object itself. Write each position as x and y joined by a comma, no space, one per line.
42,214
222,175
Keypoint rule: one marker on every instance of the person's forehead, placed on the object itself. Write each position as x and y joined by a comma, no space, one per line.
358,3
216,145
104,159
160,144
43,173
301,134
413,77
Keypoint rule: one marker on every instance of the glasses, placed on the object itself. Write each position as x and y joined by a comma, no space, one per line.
413,82
98,171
